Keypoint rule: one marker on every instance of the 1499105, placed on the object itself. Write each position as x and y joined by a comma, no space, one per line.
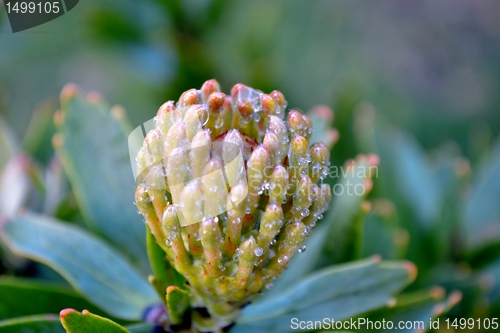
33,7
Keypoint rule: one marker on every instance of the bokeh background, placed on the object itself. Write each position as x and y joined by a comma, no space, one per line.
426,71
431,67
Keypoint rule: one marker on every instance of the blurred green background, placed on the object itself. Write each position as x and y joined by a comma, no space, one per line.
431,67
416,82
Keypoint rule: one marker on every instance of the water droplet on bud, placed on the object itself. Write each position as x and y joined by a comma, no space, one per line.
258,251
283,259
172,235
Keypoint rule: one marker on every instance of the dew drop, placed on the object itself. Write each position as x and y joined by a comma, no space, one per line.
283,259
204,118
305,212
172,235
219,123
272,242
258,251
302,249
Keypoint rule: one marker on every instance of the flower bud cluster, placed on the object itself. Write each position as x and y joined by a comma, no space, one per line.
228,187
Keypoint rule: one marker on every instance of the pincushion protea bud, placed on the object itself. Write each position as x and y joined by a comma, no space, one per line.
228,189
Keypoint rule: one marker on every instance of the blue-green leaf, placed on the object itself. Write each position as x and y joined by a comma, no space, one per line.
415,176
482,216
381,234
92,144
494,294
92,267
417,308
346,218
340,292
140,328
32,324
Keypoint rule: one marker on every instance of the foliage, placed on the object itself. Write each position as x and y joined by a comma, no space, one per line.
67,206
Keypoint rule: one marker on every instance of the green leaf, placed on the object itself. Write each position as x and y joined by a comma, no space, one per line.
91,266
93,149
161,268
86,322
159,286
32,324
342,291
44,297
177,303
37,140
